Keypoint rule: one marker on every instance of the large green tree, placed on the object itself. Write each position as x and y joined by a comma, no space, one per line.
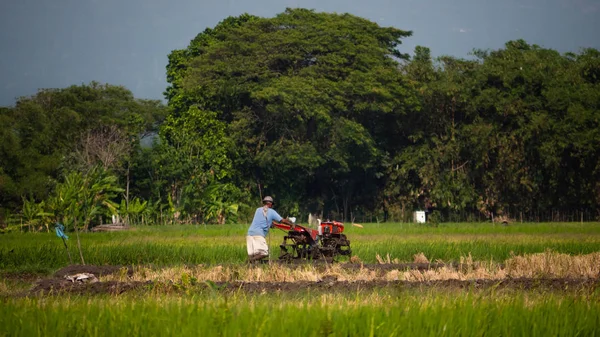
431,168
515,129
60,130
309,99
541,113
327,114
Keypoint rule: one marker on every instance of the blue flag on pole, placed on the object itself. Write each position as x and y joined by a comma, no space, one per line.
59,231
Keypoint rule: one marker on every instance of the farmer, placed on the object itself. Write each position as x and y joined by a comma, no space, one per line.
263,218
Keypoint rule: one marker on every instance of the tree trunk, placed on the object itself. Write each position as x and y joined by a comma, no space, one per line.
259,190
346,203
402,210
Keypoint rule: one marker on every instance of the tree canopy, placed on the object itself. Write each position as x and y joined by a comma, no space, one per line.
308,98
327,113
58,130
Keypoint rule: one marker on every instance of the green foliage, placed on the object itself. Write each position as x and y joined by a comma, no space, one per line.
305,95
197,143
513,129
179,61
80,198
217,203
392,312
42,134
218,245
326,113
134,210
193,159
35,216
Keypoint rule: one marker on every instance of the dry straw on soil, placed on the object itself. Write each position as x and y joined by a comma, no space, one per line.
554,265
541,265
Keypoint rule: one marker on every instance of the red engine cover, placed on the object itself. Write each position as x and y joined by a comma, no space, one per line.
331,227
327,227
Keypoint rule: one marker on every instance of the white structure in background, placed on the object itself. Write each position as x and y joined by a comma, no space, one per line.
312,220
419,217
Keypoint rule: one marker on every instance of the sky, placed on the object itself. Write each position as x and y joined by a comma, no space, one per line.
58,43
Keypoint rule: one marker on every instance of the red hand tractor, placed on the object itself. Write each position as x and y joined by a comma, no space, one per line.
301,242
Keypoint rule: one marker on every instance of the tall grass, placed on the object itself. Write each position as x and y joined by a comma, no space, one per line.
394,313
179,245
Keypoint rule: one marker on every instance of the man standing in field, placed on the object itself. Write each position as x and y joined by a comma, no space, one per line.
263,218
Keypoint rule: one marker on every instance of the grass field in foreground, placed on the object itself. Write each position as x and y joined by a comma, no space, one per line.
392,313
174,307
180,245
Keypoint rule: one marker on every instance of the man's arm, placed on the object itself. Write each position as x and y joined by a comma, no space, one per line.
288,222
285,221
280,219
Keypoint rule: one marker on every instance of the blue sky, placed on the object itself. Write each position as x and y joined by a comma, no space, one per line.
57,43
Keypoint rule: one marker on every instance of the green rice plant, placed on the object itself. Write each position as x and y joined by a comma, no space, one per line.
367,313
474,228
180,245
479,249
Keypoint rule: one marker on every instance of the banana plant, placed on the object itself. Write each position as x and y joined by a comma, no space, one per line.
152,212
35,215
66,196
219,211
65,202
216,205
135,210
96,193
31,209
79,198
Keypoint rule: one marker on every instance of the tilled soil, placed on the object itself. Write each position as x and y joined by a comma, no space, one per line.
345,286
59,285
20,277
96,270
62,286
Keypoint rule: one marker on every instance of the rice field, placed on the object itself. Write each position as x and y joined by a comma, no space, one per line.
368,314
178,245
403,280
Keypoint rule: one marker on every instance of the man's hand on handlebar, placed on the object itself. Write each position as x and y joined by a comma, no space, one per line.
284,221
289,223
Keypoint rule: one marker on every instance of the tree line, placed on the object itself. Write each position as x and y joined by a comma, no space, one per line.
325,112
